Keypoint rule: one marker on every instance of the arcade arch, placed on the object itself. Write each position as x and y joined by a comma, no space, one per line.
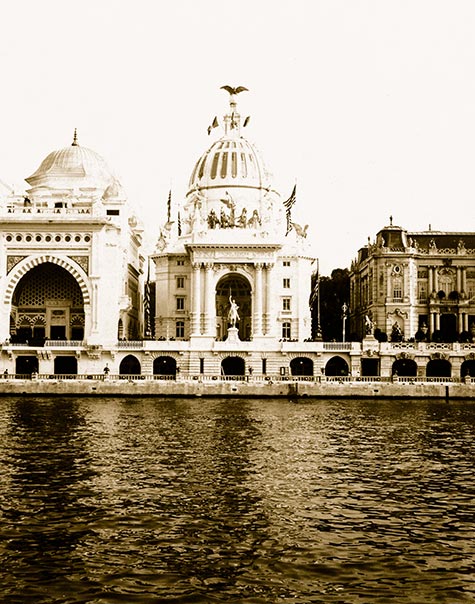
239,289
404,368
130,365
164,366
47,302
233,366
337,366
301,366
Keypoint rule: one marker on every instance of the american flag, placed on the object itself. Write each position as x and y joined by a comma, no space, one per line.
288,204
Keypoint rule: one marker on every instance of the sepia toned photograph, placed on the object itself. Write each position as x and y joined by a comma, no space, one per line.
237,302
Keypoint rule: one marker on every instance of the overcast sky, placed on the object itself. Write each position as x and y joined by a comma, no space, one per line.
369,105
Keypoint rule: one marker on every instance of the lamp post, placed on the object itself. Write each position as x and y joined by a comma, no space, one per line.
344,311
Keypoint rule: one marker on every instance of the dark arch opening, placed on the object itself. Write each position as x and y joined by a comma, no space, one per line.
239,288
233,366
129,365
164,366
405,368
337,366
51,296
26,365
66,365
301,366
467,368
438,368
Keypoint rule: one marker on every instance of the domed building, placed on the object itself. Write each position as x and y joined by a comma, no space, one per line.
227,251
71,249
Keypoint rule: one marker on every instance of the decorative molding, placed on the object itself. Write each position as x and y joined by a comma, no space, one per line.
12,261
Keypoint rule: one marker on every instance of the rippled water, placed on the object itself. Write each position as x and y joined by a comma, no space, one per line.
113,500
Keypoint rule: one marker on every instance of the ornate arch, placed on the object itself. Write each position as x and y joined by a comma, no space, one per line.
32,261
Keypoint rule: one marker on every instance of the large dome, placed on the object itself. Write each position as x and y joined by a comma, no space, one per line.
73,167
230,162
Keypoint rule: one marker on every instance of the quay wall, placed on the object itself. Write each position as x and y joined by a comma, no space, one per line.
240,389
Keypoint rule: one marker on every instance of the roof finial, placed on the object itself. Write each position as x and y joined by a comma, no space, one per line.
75,138
232,120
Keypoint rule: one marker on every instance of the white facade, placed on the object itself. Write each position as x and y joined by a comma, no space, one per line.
70,255
232,245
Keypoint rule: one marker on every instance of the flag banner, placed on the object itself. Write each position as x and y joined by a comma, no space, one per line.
169,205
146,306
179,224
292,199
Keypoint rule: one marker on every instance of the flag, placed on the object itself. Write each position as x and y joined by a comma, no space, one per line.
179,223
146,306
169,205
288,204
215,124
246,121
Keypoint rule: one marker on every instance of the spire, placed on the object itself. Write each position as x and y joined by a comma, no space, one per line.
75,138
232,120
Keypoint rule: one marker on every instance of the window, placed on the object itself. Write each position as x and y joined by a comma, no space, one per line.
286,262
180,329
285,303
202,365
113,212
286,283
180,263
397,289
180,282
286,330
180,303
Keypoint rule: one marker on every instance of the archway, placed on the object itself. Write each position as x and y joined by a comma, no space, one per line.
301,366
129,365
233,366
47,303
26,365
467,368
337,366
438,368
164,366
239,288
405,368
66,365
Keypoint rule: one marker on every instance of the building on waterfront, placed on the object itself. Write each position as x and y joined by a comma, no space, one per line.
415,285
231,246
71,264
227,289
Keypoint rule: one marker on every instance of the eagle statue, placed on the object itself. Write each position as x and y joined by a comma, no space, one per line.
234,90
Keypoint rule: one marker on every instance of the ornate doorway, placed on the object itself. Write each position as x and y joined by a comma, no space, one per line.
239,289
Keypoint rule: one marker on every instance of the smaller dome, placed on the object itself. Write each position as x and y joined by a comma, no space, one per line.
72,167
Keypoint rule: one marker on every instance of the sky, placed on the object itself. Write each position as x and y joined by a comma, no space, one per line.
367,105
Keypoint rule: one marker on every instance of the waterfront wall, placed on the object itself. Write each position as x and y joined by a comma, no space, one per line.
299,390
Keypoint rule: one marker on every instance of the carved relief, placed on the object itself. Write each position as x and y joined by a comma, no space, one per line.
12,261
83,262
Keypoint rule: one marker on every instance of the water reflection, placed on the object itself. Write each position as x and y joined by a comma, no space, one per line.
236,501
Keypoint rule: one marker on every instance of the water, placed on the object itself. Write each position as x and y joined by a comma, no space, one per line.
263,501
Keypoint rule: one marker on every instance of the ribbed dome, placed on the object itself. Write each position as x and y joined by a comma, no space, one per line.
72,167
230,162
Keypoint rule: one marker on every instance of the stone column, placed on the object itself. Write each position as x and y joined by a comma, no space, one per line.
210,313
431,279
437,321
258,293
464,279
432,323
436,279
196,301
271,315
459,279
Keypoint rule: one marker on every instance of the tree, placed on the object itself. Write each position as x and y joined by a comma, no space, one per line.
334,291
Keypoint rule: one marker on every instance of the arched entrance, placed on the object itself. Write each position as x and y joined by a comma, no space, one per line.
233,366
439,368
405,368
26,365
164,366
129,365
239,288
301,366
467,368
66,365
47,303
337,366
